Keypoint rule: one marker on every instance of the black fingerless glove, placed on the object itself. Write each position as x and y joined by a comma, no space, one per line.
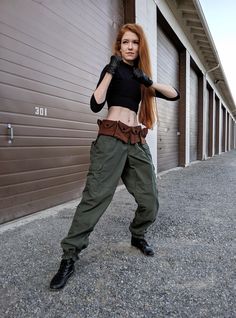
142,77
114,63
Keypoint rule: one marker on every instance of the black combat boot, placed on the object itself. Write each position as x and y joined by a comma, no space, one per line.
142,245
65,271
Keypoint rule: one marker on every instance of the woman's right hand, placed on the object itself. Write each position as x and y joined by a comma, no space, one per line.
113,65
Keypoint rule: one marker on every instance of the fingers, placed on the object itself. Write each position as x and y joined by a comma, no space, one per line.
113,65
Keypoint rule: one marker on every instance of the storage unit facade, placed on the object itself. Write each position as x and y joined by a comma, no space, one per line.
51,55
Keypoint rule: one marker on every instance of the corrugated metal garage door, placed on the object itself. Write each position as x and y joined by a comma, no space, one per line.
167,72
52,53
232,134
217,124
193,114
206,135
223,126
228,132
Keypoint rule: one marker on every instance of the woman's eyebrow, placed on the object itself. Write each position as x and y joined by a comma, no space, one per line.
125,39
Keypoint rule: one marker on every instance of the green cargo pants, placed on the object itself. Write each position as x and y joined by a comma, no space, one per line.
112,159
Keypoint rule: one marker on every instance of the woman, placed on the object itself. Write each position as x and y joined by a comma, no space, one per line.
120,150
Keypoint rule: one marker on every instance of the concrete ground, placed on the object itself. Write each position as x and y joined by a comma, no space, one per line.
191,275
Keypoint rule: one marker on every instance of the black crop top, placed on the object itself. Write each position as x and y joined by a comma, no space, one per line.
124,90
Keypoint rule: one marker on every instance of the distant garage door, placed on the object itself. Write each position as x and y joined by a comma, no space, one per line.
207,126
231,133
223,127
193,114
167,72
52,53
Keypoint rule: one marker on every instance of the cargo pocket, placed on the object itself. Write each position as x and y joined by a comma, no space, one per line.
145,175
106,148
102,154
95,168
95,163
146,149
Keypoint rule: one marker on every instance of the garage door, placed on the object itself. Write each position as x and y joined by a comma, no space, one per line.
235,135
223,126
193,114
228,132
167,72
52,53
217,125
232,134
207,120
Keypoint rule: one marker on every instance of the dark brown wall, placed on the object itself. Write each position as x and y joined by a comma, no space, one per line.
129,11
52,53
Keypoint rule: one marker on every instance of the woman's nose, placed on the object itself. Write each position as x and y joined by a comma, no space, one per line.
130,45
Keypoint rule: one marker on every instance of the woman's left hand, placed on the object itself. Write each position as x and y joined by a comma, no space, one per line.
142,77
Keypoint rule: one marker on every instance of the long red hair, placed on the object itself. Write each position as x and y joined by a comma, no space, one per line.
148,111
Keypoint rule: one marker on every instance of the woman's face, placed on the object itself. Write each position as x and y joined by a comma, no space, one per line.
129,47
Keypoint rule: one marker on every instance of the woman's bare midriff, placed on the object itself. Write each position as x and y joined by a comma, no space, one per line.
125,115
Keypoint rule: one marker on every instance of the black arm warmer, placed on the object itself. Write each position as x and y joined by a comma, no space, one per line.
95,107
160,95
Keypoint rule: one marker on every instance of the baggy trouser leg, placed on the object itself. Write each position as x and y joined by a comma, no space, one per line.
140,180
108,156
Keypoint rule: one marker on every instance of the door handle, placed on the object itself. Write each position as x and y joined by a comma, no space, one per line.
10,133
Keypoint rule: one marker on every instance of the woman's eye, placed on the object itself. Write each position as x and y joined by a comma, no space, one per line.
126,42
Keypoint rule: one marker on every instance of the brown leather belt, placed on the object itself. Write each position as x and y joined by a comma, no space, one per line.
121,131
